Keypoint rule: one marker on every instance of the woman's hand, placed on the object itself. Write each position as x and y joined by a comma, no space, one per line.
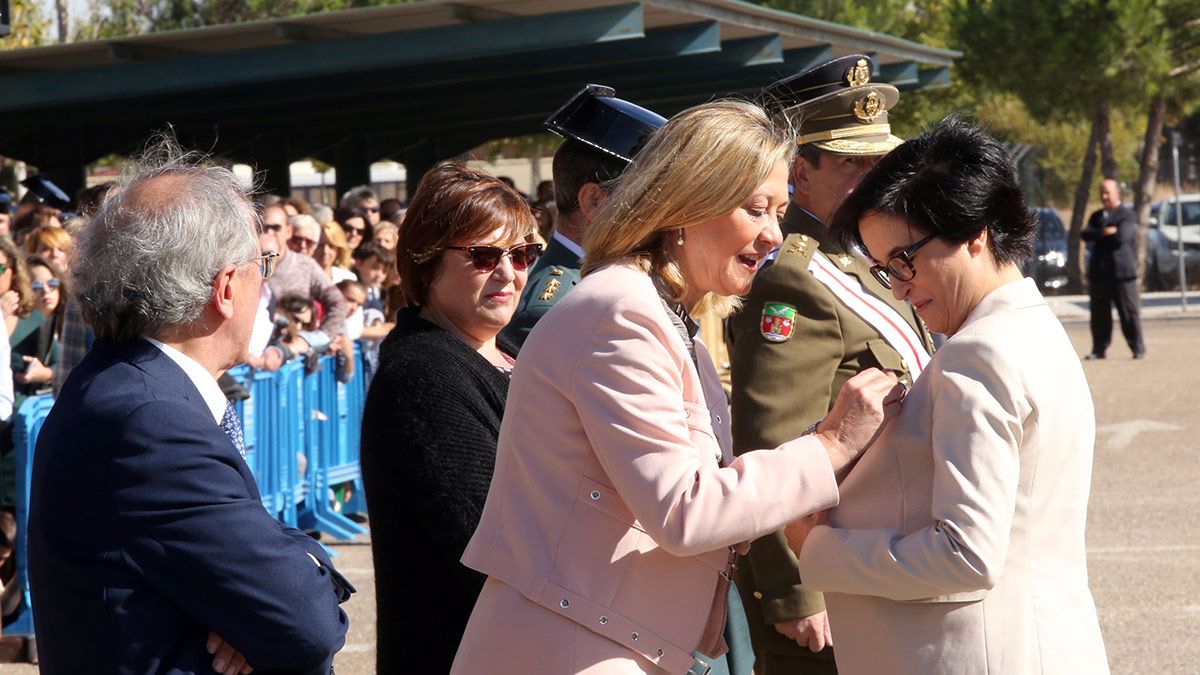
797,531
36,372
9,302
226,659
864,403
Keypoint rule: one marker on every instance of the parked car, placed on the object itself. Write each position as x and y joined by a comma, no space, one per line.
1162,242
1048,264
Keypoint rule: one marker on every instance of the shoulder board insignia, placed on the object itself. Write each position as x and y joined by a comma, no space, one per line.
550,289
844,260
798,244
556,272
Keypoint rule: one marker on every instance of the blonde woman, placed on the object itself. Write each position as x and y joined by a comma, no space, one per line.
333,254
617,510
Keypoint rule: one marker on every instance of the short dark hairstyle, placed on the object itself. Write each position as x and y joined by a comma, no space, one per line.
575,165
811,154
390,207
453,203
953,181
346,284
369,249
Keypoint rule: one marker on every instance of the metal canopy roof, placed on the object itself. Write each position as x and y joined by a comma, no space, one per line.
415,82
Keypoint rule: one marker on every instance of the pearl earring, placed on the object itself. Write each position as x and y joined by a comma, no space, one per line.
680,239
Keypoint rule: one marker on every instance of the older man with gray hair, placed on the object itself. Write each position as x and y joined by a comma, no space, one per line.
149,547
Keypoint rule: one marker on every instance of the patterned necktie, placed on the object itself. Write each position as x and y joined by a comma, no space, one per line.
232,427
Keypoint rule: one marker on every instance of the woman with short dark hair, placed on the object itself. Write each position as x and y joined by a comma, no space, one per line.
958,544
433,411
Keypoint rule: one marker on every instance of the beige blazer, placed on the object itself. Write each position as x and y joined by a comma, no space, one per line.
958,547
609,518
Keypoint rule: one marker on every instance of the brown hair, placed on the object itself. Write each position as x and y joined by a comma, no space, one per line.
20,276
453,203
55,271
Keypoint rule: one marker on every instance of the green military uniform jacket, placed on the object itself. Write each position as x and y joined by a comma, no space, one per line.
782,386
555,273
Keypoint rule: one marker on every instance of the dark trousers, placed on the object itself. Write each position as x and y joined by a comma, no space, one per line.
1104,293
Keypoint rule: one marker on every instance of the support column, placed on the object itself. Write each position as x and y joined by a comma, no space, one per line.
353,162
271,158
419,158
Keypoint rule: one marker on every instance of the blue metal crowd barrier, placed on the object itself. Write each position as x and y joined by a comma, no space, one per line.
289,415
26,425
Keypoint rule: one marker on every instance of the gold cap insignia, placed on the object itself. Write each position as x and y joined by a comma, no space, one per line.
859,75
550,289
866,109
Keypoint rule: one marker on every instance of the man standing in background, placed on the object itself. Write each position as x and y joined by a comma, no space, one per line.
1112,272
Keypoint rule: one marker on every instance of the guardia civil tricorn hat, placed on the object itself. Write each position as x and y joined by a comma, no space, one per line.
597,118
836,107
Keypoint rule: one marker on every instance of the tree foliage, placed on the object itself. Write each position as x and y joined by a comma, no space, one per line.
30,26
116,18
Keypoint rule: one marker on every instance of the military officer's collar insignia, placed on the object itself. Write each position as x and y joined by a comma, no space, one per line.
844,260
866,109
778,321
550,289
556,272
859,74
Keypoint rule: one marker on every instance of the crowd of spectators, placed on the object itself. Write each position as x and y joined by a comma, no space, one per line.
334,282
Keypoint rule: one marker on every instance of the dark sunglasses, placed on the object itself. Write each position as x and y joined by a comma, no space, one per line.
369,209
272,227
899,266
350,229
486,258
39,286
305,242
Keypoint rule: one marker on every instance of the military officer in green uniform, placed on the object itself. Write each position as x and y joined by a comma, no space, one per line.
814,317
602,134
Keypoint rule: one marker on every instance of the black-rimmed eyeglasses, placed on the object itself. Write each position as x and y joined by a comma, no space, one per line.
266,263
899,266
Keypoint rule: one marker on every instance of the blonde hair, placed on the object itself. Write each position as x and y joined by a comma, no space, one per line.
332,235
702,163
48,236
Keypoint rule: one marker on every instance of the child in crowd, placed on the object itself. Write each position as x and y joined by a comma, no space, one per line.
363,323
371,264
386,235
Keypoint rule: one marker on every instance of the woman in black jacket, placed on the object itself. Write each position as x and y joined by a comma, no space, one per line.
433,411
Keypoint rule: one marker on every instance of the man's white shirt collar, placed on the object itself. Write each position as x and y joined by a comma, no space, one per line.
569,245
210,391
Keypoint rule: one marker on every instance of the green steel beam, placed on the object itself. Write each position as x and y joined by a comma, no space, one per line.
282,63
930,78
899,74
448,79
546,89
411,107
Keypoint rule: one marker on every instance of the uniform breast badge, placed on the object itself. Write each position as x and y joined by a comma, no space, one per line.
550,289
778,321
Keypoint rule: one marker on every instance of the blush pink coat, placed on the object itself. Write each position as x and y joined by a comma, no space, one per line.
609,518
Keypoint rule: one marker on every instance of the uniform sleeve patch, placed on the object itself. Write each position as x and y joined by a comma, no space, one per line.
778,321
